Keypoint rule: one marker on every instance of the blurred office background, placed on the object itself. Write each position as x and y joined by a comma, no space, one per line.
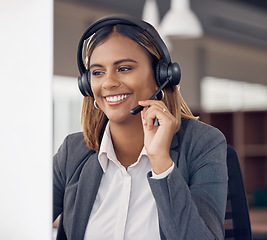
223,56
221,46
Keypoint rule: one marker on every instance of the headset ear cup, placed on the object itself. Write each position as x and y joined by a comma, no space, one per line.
84,84
160,72
174,72
164,71
157,75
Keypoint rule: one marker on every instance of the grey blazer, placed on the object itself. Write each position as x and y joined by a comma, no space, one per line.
191,201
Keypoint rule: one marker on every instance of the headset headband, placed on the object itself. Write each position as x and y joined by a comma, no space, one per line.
121,19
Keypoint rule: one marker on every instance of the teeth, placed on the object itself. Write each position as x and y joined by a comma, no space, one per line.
116,98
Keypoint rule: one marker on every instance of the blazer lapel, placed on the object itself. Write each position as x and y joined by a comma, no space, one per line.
86,193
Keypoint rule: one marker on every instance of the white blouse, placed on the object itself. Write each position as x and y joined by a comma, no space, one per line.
124,207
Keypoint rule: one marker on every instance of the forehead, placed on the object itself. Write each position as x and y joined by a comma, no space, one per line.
118,45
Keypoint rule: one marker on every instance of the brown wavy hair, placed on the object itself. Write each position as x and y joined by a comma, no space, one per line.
94,120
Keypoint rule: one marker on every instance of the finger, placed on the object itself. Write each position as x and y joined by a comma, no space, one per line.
143,113
152,113
148,120
148,103
159,110
155,110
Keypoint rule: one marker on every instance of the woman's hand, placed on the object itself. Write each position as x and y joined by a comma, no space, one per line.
157,139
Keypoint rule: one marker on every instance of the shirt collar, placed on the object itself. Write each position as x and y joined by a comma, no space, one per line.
106,150
107,153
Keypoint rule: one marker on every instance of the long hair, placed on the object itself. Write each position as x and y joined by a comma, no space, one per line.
94,120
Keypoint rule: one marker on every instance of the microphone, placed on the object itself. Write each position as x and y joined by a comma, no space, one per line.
139,108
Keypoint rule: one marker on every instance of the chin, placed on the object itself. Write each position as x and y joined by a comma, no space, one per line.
120,118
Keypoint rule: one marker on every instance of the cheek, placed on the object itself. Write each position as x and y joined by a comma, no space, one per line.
95,86
147,79
149,83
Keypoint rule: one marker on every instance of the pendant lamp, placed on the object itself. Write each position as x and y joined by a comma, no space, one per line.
180,21
151,13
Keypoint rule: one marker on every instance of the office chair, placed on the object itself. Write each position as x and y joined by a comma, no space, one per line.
237,222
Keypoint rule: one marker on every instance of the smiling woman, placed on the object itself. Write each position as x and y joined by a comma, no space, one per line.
124,71
124,177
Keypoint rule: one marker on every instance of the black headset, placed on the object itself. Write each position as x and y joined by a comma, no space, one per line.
167,74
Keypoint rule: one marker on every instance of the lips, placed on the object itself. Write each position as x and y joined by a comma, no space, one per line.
116,98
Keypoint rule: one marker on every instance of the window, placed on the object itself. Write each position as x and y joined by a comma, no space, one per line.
228,95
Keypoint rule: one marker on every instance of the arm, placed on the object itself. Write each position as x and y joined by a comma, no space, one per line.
59,179
194,209
68,163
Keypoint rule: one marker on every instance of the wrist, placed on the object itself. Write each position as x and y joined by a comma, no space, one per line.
161,165
164,174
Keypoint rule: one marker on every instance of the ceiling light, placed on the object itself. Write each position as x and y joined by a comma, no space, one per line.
180,21
151,13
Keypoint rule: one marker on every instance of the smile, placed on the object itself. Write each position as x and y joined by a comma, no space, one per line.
116,98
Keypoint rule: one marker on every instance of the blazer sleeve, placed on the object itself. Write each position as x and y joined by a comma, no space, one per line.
194,208
59,178
68,162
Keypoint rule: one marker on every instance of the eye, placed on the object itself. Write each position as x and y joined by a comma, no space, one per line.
124,69
97,73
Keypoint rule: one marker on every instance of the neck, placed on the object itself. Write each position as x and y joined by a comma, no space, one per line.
128,141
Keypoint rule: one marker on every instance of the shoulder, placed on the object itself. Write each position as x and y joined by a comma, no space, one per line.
72,153
76,144
194,130
196,139
200,146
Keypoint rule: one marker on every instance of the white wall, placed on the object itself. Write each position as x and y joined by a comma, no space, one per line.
26,60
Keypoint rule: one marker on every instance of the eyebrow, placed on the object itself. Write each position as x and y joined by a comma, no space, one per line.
125,60
115,63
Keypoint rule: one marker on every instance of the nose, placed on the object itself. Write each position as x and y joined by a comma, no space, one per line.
111,81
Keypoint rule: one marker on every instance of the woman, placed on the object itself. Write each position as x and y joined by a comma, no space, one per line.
125,177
